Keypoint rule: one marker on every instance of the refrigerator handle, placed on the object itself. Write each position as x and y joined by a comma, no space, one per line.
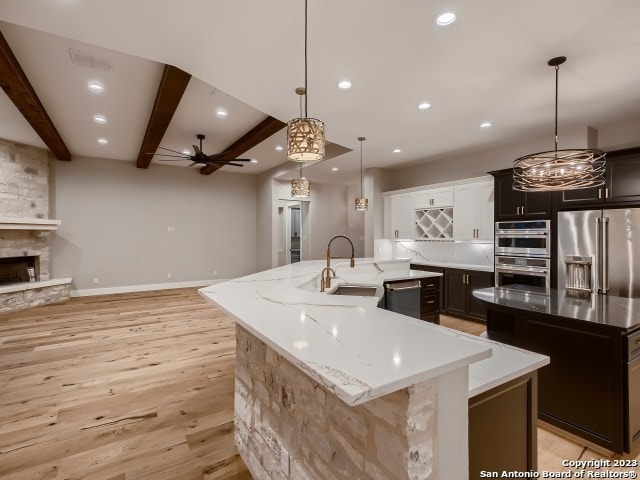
596,266
605,255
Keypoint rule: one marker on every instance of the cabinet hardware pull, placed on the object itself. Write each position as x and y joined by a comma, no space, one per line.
430,285
599,193
432,301
606,193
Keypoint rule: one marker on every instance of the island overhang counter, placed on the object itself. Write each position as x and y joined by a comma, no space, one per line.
316,371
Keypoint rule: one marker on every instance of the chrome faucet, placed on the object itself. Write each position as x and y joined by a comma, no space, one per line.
327,280
322,280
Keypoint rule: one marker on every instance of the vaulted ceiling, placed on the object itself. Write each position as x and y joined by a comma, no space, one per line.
247,57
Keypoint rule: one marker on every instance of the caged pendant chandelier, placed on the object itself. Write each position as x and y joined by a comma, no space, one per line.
559,169
362,204
305,136
300,186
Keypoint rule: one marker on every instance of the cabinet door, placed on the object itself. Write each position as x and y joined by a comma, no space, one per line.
402,215
455,291
537,204
507,200
442,197
465,212
633,378
484,224
623,180
581,196
421,199
580,387
477,280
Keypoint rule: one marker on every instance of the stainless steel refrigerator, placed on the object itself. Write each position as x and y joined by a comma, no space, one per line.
599,251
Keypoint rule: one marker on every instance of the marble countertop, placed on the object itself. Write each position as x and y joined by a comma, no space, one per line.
347,343
461,266
615,312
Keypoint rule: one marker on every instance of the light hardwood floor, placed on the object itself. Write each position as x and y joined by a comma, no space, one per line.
135,386
113,387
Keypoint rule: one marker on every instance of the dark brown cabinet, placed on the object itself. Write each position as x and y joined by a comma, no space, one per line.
511,204
622,185
458,292
591,388
430,299
426,268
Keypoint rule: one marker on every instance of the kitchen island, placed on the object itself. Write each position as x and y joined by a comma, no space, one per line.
331,386
591,388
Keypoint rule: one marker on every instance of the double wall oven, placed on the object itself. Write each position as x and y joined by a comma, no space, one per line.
523,253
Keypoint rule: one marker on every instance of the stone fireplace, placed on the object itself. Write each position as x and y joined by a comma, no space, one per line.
25,228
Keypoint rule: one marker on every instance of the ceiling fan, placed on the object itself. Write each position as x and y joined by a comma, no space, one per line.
199,157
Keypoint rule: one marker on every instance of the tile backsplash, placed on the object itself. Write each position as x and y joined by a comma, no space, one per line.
471,253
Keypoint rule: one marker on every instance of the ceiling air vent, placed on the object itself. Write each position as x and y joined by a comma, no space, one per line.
84,59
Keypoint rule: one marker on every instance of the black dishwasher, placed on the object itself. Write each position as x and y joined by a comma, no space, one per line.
403,297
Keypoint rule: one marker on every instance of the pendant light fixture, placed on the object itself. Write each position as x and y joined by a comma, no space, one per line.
300,186
362,204
559,169
305,136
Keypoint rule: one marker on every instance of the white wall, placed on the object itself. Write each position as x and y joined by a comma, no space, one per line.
115,218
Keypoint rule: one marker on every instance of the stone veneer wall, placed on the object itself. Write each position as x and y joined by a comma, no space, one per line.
24,192
289,426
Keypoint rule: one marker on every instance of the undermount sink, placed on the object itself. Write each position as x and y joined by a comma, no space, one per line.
357,290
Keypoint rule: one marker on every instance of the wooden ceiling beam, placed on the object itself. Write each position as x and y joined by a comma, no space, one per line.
18,88
172,86
253,137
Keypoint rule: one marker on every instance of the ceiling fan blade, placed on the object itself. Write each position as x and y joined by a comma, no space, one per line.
168,149
215,156
173,159
186,157
194,163
224,164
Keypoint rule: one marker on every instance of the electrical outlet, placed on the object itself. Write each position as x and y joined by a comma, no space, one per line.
168,275
379,249
95,279
215,273
168,229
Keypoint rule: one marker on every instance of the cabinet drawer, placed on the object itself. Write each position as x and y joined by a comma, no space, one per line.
430,284
633,345
429,302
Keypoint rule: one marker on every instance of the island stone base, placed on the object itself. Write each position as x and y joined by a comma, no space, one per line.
290,426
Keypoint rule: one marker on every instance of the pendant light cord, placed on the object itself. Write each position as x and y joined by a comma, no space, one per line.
556,146
305,58
361,177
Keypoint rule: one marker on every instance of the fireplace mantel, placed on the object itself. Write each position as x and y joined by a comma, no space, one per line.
18,223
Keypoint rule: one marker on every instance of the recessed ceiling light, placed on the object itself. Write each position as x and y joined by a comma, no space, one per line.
446,18
334,169
186,152
279,148
103,141
396,150
253,160
221,112
424,105
95,87
345,84
99,119
485,124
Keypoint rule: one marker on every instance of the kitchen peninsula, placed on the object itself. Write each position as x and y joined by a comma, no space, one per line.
591,389
331,386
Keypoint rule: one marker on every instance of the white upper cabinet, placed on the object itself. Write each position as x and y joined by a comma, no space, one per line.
473,211
433,198
399,211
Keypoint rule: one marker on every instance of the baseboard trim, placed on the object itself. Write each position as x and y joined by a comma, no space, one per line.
143,288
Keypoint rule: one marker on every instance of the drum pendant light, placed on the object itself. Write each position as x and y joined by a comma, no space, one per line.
559,169
362,204
300,186
305,136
